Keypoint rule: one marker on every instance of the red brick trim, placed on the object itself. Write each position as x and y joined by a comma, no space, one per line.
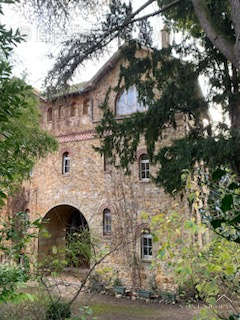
64,150
140,152
141,228
107,205
80,136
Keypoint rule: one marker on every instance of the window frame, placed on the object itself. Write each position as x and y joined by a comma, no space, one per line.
66,163
144,172
107,222
147,246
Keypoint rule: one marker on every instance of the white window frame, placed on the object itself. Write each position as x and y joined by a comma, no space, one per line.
107,222
144,167
65,163
146,248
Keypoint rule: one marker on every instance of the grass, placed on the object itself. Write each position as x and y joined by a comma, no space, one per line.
121,309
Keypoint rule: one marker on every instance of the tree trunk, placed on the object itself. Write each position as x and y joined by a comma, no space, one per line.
221,42
235,15
235,126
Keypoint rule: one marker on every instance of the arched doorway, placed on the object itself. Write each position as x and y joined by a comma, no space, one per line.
66,235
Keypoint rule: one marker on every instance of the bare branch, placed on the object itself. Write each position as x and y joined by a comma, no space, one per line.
165,8
86,47
93,267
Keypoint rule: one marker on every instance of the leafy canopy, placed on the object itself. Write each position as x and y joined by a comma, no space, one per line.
22,141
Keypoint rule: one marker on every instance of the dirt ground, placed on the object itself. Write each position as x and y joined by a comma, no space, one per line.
111,308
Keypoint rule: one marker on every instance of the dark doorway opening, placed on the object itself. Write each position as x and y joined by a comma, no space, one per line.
67,236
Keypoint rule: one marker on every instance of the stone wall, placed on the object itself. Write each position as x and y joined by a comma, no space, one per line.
90,189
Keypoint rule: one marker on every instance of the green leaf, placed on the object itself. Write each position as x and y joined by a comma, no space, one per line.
227,202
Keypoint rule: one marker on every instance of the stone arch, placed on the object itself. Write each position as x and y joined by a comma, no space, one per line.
107,205
64,223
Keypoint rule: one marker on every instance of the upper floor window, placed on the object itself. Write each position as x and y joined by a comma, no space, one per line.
49,114
144,167
146,246
128,103
106,163
60,112
86,103
65,163
107,222
73,110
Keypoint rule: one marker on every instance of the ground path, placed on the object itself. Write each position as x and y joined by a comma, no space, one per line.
111,308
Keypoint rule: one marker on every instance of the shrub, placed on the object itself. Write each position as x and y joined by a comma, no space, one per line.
58,310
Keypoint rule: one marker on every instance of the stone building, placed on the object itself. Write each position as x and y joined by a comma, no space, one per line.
76,188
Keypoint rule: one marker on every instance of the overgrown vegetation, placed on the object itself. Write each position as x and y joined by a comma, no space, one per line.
22,139
211,40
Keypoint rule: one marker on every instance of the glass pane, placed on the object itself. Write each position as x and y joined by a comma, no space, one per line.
150,251
131,97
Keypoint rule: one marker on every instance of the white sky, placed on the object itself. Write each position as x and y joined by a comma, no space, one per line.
31,57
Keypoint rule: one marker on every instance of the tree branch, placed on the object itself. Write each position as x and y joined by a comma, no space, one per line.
117,247
95,43
170,5
219,41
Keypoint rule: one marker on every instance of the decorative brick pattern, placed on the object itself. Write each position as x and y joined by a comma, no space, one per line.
81,136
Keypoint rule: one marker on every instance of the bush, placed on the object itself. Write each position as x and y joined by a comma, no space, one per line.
30,309
58,310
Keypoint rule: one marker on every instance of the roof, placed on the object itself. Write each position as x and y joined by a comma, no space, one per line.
84,87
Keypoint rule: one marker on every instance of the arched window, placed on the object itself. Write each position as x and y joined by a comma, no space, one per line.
60,112
107,222
127,102
106,163
65,163
146,246
144,168
49,114
73,110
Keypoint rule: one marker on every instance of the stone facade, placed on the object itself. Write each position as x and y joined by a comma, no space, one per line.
89,189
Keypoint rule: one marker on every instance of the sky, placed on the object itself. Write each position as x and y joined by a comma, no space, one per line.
31,58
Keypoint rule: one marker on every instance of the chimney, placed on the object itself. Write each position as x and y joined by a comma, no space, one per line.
165,37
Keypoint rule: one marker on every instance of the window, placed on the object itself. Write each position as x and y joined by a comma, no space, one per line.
65,163
31,173
49,114
144,167
85,106
146,246
107,222
73,110
128,103
60,112
106,163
